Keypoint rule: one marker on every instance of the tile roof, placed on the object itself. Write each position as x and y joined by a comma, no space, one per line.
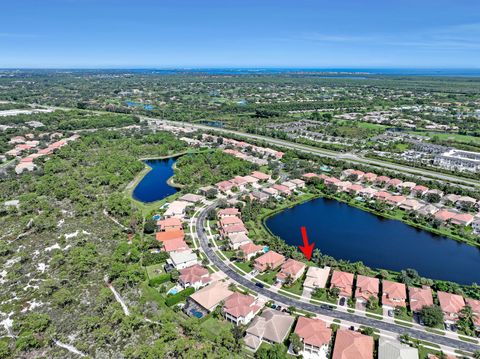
240,305
210,296
450,303
313,331
352,345
419,298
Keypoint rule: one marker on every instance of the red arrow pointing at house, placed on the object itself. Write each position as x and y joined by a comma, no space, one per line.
307,248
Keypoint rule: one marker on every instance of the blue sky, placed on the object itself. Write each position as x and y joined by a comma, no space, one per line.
246,33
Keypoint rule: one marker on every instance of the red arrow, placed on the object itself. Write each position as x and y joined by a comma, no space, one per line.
307,248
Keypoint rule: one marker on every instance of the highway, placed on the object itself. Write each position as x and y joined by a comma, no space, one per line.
348,157
345,316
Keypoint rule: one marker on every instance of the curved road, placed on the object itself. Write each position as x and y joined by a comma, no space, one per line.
365,321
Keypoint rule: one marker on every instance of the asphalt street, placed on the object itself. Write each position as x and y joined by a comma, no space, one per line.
360,320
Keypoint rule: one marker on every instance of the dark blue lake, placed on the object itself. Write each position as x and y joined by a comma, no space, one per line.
345,232
154,186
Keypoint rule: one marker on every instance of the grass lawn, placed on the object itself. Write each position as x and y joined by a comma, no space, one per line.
406,317
296,288
268,277
213,327
228,254
378,311
245,266
155,270
150,294
324,298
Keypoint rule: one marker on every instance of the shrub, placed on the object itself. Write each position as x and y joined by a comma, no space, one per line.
180,296
159,280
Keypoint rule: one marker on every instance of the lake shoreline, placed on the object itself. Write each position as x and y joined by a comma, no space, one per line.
408,239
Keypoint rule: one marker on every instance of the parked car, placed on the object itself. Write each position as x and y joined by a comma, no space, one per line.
342,301
390,312
259,285
326,306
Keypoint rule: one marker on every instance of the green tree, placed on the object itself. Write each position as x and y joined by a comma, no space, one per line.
4,349
432,315
296,343
372,303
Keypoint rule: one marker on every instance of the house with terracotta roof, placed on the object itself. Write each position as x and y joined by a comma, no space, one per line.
236,240
382,196
271,326
382,180
240,309
251,180
315,336
369,177
316,278
250,250
270,260
396,200
411,205
210,296
419,298
330,181
239,182
175,245
343,281
462,219
230,221
366,287
354,189
234,229
354,175
451,305
443,216
352,345
475,305
176,234
195,276
342,186
282,189
224,186
394,183
169,224
260,176
291,271
228,212
394,294
308,176
419,190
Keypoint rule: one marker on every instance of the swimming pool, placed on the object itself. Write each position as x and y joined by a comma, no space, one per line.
196,313
173,291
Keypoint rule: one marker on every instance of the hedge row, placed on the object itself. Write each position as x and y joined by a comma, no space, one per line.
159,280
179,297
